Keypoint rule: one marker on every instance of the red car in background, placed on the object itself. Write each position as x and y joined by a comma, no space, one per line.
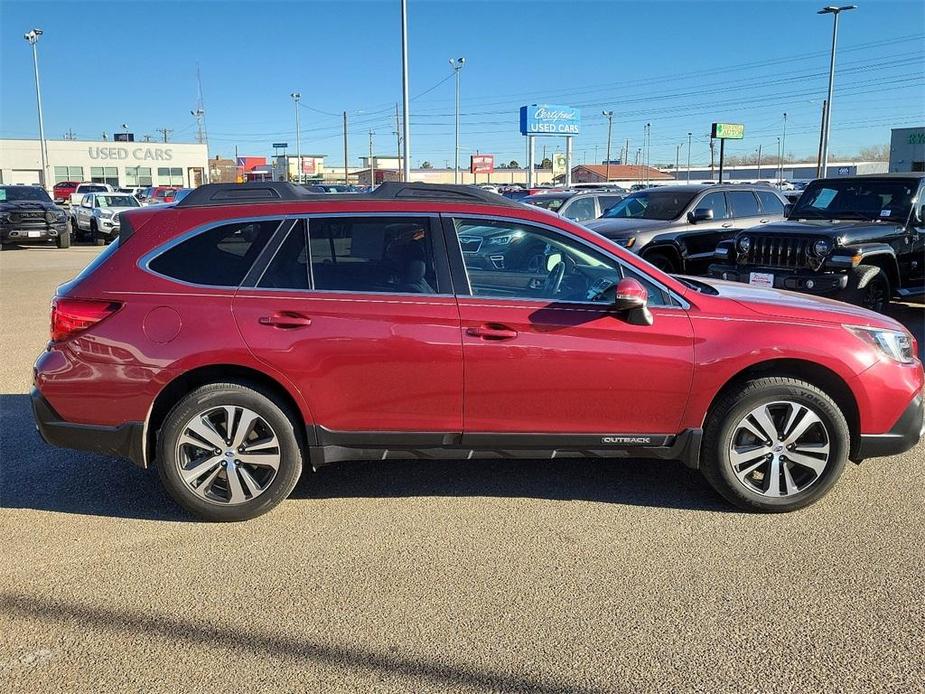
250,331
62,191
161,194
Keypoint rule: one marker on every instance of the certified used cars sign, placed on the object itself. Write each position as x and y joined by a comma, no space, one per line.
546,119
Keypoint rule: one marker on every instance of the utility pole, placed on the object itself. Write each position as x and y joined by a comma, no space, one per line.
779,163
827,121
759,162
677,158
406,101
163,131
70,134
397,134
200,113
296,97
457,64
712,158
372,165
32,37
609,116
819,168
626,152
688,157
346,175
783,149
648,151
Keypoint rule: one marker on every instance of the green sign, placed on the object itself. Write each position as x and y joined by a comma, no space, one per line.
728,131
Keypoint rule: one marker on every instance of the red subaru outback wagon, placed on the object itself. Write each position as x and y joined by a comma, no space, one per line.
253,330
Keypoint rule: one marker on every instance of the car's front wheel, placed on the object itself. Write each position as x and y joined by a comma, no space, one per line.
774,445
229,452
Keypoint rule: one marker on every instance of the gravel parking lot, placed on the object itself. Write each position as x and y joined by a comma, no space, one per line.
548,576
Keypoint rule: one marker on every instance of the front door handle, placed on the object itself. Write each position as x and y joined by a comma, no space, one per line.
764,221
287,320
492,331
726,225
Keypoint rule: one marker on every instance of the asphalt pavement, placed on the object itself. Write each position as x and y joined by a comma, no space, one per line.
429,576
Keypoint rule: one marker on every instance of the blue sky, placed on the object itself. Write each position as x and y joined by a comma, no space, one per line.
677,65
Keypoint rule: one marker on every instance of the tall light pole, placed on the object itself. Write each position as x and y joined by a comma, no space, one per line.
677,159
827,120
296,97
689,157
405,126
609,116
758,175
32,36
457,64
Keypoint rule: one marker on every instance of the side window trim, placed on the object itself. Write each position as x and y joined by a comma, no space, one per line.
461,276
259,268
144,261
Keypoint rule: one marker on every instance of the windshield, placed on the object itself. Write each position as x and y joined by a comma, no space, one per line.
23,193
117,201
854,198
652,204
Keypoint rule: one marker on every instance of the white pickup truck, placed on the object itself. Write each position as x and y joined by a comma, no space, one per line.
78,195
96,218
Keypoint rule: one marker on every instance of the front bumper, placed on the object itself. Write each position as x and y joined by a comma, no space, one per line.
123,441
905,434
31,234
806,281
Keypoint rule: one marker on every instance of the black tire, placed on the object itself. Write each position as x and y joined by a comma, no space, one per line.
723,422
64,239
283,424
663,262
868,287
95,235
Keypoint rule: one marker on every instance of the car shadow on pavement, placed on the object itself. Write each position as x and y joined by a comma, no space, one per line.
130,624
38,476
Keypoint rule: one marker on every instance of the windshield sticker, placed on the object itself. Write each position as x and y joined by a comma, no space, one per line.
2,195
885,213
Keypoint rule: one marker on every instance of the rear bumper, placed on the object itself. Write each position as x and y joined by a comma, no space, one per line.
904,435
123,441
806,281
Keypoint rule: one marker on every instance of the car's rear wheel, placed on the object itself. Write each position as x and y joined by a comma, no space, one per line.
229,452
774,445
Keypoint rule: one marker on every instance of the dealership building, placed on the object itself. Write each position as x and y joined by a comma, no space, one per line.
907,149
104,161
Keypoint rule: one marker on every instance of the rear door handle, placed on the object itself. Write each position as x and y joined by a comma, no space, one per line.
492,332
287,320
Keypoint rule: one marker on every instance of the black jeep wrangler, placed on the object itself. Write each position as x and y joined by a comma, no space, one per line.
860,239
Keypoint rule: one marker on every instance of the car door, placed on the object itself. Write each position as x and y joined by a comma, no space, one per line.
579,208
544,352
357,311
699,240
911,253
745,209
85,211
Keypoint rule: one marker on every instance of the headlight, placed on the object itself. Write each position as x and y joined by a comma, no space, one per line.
627,243
822,247
897,345
745,243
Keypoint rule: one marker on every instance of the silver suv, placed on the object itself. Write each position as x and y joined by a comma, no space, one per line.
677,228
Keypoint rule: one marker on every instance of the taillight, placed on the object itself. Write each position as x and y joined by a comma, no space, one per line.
70,317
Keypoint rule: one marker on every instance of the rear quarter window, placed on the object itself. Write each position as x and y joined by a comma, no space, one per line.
770,203
218,257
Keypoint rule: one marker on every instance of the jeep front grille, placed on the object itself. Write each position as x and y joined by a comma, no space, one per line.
778,251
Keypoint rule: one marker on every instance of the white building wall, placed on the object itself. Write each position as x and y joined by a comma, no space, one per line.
124,163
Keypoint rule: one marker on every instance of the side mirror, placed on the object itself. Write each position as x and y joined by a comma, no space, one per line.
632,299
701,214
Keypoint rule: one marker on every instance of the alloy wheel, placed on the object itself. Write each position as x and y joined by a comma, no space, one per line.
779,449
228,454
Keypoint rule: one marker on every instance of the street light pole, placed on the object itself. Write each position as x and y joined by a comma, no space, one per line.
457,64
758,175
677,159
32,36
405,100
296,96
609,116
783,148
689,157
827,121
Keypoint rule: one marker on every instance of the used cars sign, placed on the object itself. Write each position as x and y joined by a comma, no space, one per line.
546,119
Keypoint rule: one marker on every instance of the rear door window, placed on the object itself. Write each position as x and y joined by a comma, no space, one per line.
743,202
770,203
715,202
373,254
218,257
